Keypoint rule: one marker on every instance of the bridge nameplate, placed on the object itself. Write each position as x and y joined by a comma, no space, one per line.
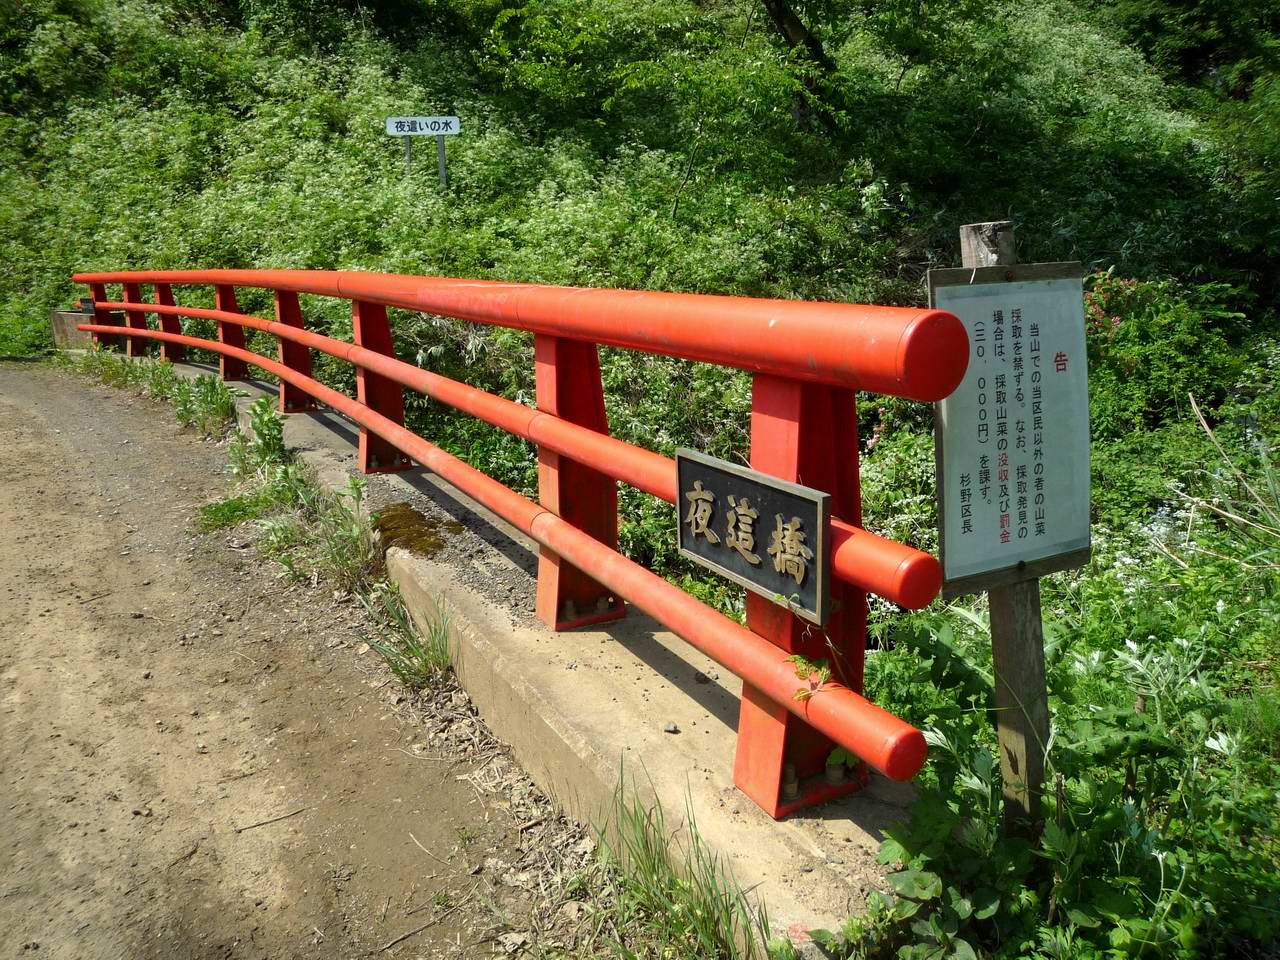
769,535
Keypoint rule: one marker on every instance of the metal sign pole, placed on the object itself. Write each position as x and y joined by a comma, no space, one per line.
410,127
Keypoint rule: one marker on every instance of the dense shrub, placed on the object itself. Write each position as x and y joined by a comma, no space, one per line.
606,144
1153,344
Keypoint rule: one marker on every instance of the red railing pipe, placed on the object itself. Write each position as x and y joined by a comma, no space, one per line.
901,351
884,741
908,577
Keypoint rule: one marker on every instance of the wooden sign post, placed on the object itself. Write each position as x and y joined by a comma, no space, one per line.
1013,474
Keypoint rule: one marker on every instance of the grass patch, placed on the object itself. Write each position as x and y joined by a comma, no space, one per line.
416,657
313,533
651,891
323,535
203,403
233,511
668,895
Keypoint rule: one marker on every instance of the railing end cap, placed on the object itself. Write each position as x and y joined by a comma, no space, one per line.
933,356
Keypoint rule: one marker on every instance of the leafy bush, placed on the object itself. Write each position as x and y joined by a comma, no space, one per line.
1158,834
898,488
607,144
206,403
1141,850
1151,345
323,535
263,449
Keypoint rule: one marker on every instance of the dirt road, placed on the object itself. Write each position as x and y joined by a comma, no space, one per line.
161,692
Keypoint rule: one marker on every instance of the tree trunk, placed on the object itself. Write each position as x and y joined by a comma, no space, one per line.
796,34
799,37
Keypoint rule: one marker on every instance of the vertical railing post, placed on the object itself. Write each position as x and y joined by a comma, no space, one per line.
103,317
232,334
135,320
808,434
173,352
569,387
373,332
293,355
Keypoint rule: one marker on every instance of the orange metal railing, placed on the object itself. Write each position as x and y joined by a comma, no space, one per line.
808,359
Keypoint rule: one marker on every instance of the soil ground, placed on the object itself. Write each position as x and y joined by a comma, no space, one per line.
164,696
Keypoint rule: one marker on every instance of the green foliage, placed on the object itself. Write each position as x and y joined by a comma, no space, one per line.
670,895
323,535
261,461
416,658
1158,835
1153,344
263,448
204,403
1140,851
662,149
814,673
673,146
233,511
898,485
1224,45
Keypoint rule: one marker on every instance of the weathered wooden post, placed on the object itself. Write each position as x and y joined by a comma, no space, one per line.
1017,632
1014,494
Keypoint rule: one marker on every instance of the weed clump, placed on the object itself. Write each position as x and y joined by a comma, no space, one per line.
669,895
417,657
203,403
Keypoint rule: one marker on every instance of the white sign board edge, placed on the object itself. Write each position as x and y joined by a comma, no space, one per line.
1049,297
423,126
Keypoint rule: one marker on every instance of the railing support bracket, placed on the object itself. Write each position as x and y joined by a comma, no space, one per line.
372,331
569,387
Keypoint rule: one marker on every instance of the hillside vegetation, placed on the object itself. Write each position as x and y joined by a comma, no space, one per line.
702,147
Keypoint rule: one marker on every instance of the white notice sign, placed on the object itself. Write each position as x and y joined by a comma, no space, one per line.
1014,438
423,126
